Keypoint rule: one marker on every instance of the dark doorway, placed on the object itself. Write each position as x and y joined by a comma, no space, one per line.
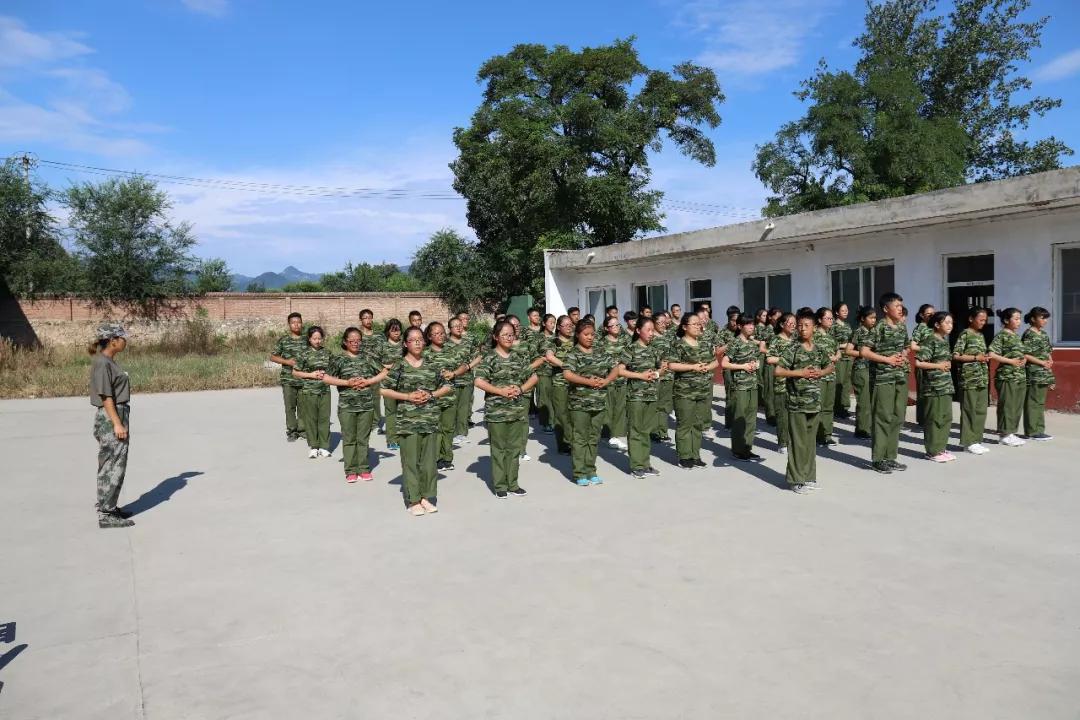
969,282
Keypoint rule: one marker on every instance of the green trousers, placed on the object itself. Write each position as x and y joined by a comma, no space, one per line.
463,400
504,441
1010,405
642,424
864,408
391,421
447,423
688,415
828,409
615,422
665,405
294,412
768,390
523,426
890,407
782,429
1035,410
843,385
543,395
729,410
564,436
355,432
744,422
973,402
419,476
937,423
586,441
802,450
920,399
316,410
377,410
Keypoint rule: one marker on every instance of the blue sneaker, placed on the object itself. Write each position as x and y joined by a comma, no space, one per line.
393,446
583,481
595,481
1042,437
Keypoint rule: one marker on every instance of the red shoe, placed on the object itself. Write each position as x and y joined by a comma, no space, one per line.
350,478
366,477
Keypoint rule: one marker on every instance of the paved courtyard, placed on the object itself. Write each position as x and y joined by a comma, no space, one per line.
257,584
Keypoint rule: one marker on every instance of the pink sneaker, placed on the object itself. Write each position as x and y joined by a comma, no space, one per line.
949,456
366,477
940,458
351,478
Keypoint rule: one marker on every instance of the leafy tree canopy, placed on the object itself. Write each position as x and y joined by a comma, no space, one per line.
213,275
929,105
452,267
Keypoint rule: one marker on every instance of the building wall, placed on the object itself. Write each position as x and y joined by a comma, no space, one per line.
1024,249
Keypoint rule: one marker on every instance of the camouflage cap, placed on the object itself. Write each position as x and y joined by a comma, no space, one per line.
108,331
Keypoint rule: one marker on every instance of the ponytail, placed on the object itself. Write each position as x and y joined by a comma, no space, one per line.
97,346
1036,312
1006,314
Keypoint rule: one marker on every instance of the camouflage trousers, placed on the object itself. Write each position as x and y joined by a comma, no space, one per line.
112,459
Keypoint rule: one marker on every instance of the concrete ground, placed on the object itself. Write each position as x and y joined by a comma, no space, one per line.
257,584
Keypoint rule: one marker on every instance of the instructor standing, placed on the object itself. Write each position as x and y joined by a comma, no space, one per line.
110,392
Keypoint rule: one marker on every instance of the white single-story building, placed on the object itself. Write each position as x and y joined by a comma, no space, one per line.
1012,242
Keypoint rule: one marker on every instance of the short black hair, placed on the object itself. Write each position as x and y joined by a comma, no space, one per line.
573,310
1036,312
888,299
645,307
298,316
532,310
609,308
366,311
675,305
415,313
805,314
733,310
629,315
744,319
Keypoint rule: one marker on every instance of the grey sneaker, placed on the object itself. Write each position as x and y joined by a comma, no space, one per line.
812,484
800,489
782,450
637,473
110,520
651,471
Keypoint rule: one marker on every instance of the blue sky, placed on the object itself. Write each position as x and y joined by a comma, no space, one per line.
349,94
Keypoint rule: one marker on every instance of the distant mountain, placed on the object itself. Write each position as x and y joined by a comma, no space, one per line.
273,280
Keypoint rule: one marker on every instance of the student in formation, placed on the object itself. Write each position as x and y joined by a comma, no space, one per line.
802,366
642,367
286,350
972,354
825,340
860,373
556,352
357,375
1038,352
110,393
662,342
886,349
676,313
543,374
1010,380
589,370
785,332
615,342
371,343
763,333
310,367
466,350
611,311
721,339
416,384
465,404
529,351
451,364
630,318
841,332
574,314
740,360
392,352
504,377
919,334
933,361
531,333
416,320
709,334
693,361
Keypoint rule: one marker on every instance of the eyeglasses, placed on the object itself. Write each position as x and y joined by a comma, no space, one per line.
354,341
507,336
416,341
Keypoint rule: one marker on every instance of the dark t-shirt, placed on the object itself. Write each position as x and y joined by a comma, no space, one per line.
107,379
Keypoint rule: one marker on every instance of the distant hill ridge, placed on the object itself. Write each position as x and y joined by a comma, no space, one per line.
276,281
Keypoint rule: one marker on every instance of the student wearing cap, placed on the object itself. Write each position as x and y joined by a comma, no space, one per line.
110,392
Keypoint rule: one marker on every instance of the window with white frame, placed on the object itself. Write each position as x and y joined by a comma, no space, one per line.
653,295
698,291
766,290
1068,280
599,299
861,284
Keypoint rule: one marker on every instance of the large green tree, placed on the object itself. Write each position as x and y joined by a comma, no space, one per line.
451,266
31,257
929,105
132,253
557,154
212,275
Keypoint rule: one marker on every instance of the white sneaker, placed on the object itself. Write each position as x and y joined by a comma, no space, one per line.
524,457
782,451
313,454
459,439
1012,441
324,453
977,449
614,442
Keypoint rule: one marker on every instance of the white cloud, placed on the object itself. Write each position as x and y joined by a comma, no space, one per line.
19,47
213,8
750,37
1059,68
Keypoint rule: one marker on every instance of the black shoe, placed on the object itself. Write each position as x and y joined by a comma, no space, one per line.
699,463
899,467
655,439
448,466
882,467
500,495
520,492
651,471
439,466
291,437
564,451
686,464
472,424
109,520
743,458
123,514
756,458
863,435
637,474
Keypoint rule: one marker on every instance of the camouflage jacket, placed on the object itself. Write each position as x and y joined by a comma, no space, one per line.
289,348
347,367
640,358
594,364
888,340
935,382
1008,345
691,385
1037,345
373,344
446,359
391,353
803,395
921,334
764,333
739,352
312,360
413,419
663,344
502,372
828,344
776,349
973,375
